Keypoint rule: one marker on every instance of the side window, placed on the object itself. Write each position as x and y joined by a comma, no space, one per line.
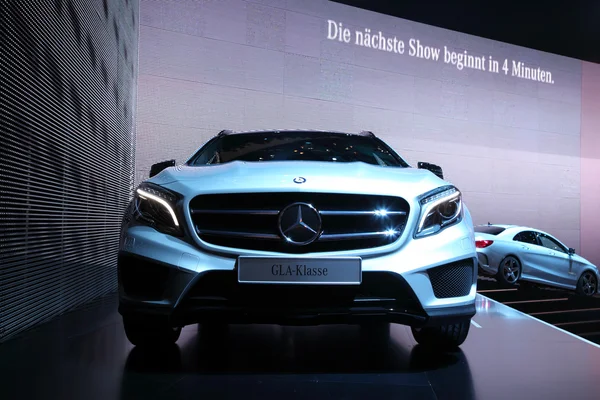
526,237
551,244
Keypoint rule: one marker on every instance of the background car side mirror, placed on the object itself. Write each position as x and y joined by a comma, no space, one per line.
158,167
571,250
436,169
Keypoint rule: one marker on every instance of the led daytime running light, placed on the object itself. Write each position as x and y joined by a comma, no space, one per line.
441,195
434,201
145,194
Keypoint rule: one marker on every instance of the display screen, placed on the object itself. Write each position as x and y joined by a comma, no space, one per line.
504,122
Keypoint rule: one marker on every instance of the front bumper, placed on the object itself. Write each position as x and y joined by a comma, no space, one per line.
488,264
413,285
322,316
216,296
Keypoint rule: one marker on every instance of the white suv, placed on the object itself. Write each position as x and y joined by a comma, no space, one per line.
297,227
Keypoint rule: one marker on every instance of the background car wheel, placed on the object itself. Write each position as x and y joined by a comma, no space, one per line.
150,332
587,284
509,271
444,337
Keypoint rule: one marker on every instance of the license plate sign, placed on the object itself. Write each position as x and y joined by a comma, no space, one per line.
300,271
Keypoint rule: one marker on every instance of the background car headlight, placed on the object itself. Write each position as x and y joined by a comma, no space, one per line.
155,206
439,210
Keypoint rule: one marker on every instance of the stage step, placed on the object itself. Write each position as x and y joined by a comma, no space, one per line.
562,308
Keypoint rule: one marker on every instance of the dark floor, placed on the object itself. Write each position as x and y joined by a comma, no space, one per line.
508,355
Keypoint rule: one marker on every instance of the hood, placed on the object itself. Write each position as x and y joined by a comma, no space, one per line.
278,176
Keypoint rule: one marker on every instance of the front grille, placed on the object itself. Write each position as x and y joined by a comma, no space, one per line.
252,220
452,280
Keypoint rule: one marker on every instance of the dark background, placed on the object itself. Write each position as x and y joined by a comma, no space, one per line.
568,28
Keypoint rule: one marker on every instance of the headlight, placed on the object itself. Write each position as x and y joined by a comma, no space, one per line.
155,206
439,210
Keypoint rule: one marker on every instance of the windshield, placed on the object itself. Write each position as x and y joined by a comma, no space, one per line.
297,146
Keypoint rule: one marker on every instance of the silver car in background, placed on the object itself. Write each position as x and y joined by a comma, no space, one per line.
515,253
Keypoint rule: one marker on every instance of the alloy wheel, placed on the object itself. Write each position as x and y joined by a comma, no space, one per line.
589,284
510,270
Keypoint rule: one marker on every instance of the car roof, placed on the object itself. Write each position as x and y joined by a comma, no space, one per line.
309,131
504,226
513,229
517,228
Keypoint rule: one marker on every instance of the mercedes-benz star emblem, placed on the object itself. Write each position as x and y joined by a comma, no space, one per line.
300,224
299,179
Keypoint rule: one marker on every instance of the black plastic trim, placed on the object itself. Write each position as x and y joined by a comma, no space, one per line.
450,315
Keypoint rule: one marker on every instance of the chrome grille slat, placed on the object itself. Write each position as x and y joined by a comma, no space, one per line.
344,212
352,236
235,212
348,221
238,234
276,212
323,237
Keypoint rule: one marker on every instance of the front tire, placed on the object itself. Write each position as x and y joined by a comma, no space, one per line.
149,332
443,337
587,285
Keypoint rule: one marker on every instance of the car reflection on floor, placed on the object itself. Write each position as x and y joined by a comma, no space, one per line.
85,355
321,360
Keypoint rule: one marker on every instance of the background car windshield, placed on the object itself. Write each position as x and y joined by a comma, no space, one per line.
297,146
489,229
551,243
527,237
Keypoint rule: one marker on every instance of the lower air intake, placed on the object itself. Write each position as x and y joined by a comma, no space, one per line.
452,280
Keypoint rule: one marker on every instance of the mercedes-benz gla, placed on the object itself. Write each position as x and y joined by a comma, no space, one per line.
297,227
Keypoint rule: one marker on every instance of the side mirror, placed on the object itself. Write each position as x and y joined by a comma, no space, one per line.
158,167
436,169
571,250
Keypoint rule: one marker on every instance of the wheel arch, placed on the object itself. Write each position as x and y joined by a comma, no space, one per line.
589,269
595,273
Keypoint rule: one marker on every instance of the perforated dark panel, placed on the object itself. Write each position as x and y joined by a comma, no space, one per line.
452,280
67,98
